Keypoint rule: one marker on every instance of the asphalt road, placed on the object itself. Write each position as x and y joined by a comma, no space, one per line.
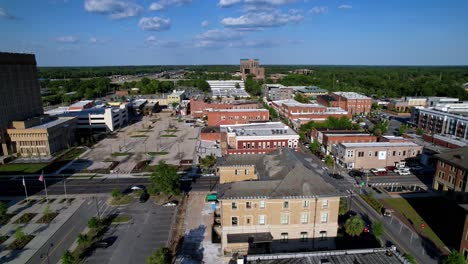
60,241
86,186
133,242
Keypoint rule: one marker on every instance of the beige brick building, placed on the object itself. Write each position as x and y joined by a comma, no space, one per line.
375,154
42,137
285,206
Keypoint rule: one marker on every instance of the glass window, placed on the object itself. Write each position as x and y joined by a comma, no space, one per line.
304,236
234,221
323,217
304,218
305,204
248,220
234,206
248,205
261,219
284,238
325,204
246,172
284,219
286,205
262,204
323,235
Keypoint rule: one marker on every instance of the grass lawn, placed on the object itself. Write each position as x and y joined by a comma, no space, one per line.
157,153
6,219
168,135
25,218
120,154
120,219
405,208
3,239
20,243
30,168
126,199
47,218
171,130
139,136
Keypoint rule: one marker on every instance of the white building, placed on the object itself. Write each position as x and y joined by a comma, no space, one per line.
96,119
228,88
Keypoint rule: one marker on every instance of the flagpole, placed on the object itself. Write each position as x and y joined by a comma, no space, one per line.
25,190
45,187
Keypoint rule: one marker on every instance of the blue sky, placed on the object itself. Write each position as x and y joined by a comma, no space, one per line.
154,32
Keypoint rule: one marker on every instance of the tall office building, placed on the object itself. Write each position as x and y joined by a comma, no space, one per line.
252,66
20,96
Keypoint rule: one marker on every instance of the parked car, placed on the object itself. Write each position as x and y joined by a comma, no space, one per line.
144,197
390,168
356,173
336,176
379,172
101,244
170,204
403,171
138,187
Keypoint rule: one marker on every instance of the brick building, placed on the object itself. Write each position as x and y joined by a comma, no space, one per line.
375,154
293,111
329,139
199,107
352,102
237,116
275,203
451,172
252,66
257,138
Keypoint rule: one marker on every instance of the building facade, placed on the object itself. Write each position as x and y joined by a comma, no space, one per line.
199,106
444,119
376,154
257,138
252,66
20,93
237,116
175,97
283,206
293,111
329,139
42,137
352,102
451,172
275,92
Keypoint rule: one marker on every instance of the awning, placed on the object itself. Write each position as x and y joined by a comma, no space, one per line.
250,238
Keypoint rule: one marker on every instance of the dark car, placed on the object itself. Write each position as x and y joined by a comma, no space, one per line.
144,197
101,244
356,173
336,176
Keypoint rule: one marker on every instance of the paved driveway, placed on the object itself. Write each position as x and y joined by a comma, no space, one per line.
149,230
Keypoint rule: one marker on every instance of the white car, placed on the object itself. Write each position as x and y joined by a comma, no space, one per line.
137,187
169,204
403,171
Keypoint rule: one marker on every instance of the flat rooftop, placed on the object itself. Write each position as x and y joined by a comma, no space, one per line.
292,102
351,95
380,144
457,157
81,103
259,129
51,124
238,110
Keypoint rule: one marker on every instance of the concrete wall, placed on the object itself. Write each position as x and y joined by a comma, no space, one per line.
236,173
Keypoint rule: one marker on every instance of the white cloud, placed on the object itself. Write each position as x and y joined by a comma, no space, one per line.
217,37
154,23
345,7
228,3
205,23
67,39
261,20
5,14
94,40
152,41
115,9
319,10
163,4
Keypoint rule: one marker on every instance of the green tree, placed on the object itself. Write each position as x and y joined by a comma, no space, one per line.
174,104
165,179
329,161
402,129
354,226
207,162
83,239
377,132
419,132
454,258
409,258
67,258
377,229
94,222
301,99
47,210
343,206
19,233
116,193
3,211
314,147
160,256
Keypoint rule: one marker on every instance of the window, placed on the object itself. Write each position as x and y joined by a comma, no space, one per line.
234,221
304,236
234,206
376,153
248,220
246,172
404,152
325,204
248,205
284,238
261,219
323,217
323,235
304,218
284,219
370,153
237,172
285,204
305,204
350,153
262,204
361,154
399,153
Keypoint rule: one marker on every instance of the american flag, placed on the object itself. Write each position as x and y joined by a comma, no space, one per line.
41,178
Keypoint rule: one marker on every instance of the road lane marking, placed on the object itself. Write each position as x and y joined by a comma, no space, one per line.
57,245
